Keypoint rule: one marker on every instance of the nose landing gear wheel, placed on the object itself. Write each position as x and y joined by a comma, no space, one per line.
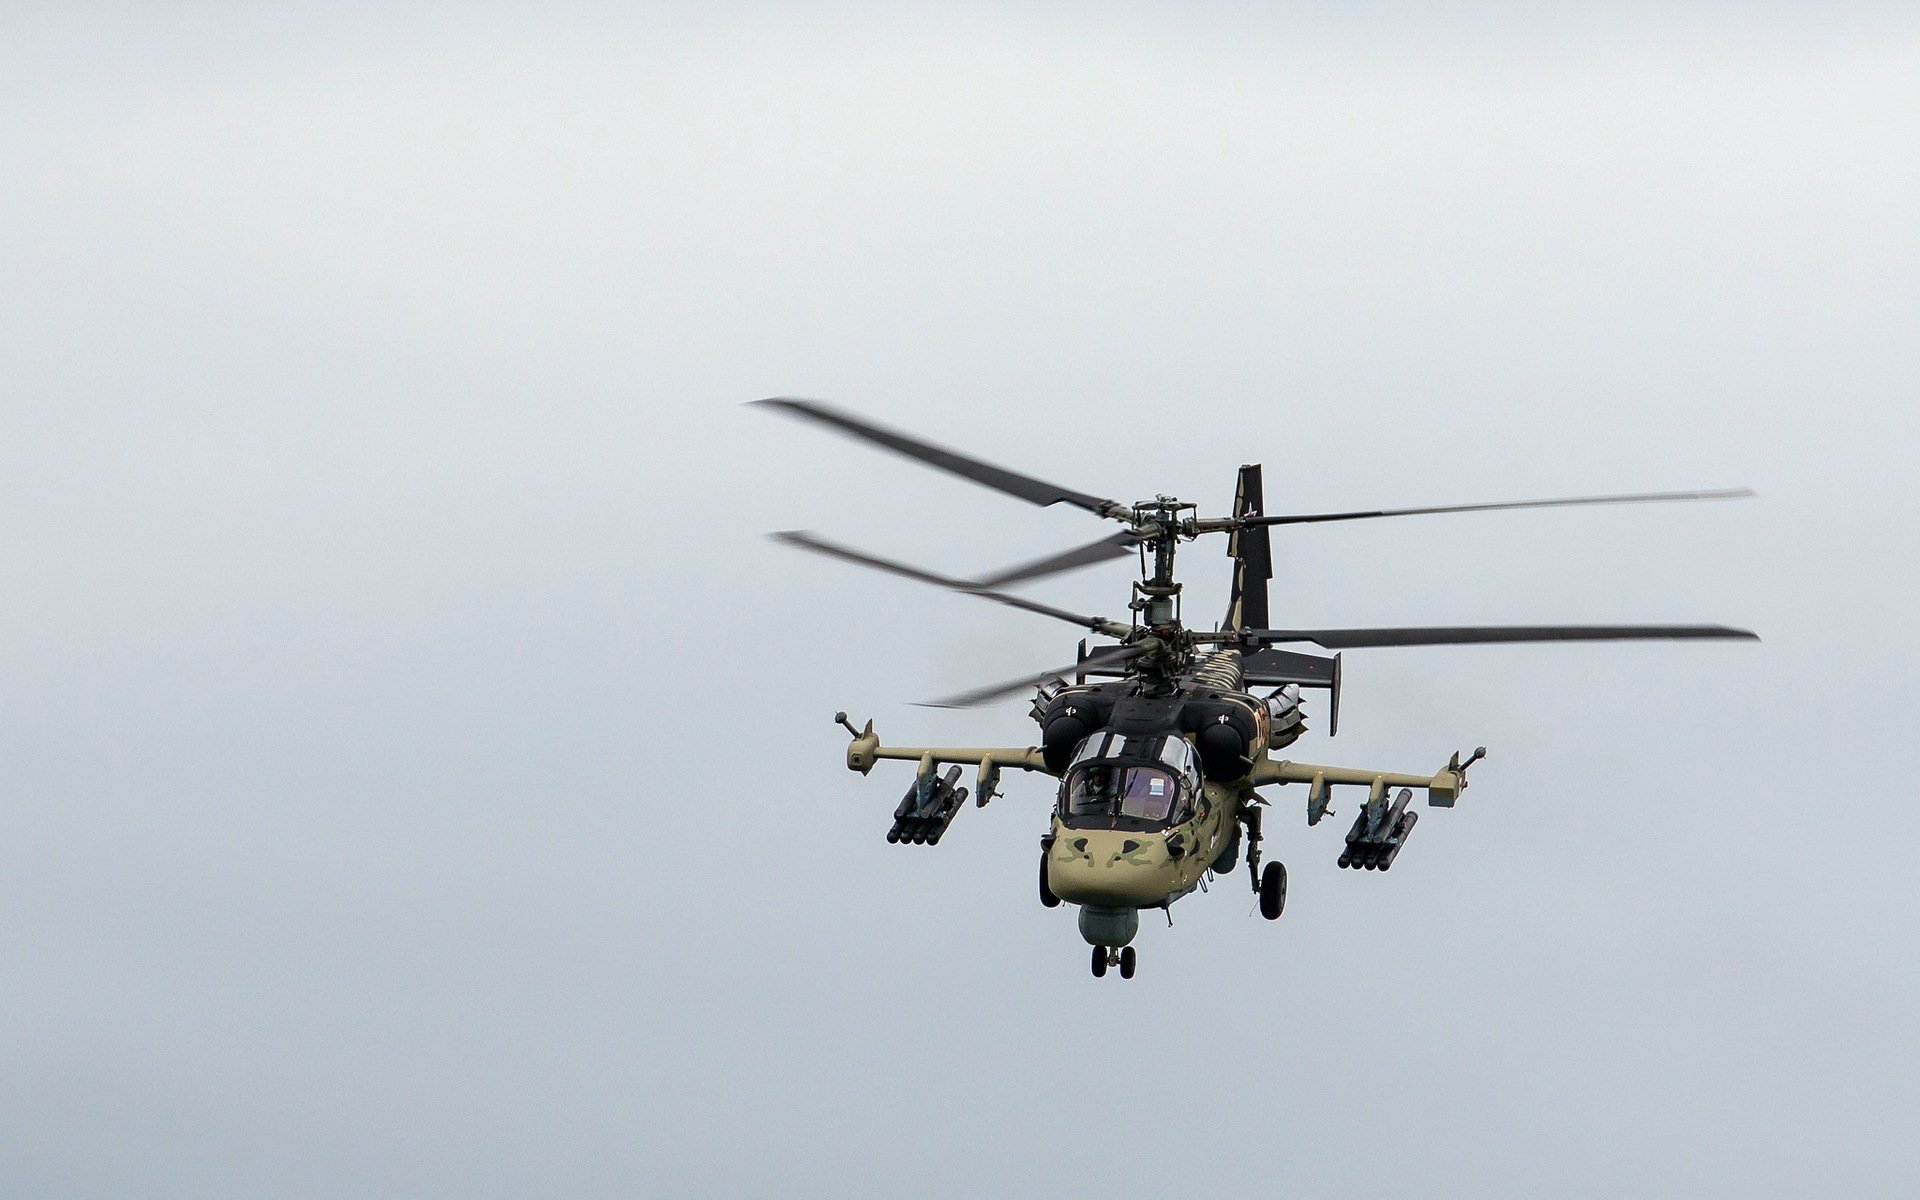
1126,963
1046,893
1273,891
1099,962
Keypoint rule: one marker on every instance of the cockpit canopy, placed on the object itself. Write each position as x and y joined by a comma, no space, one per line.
1129,783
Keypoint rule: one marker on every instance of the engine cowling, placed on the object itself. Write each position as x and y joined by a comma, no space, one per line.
1059,738
1065,722
1228,736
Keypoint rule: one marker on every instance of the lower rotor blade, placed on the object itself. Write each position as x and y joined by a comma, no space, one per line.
802,540
1637,498
1120,545
1110,658
1347,639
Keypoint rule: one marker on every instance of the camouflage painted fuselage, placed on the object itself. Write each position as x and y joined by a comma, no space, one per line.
1122,868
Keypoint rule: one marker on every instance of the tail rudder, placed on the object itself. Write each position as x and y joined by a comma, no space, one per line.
1252,553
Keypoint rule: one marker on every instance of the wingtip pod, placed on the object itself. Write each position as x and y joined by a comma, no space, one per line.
864,750
1451,780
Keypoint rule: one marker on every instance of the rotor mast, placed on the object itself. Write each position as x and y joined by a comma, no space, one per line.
1156,595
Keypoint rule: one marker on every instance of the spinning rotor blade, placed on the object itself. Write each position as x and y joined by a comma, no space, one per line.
1637,498
1107,659
1026,487
806,541
1120,545
1347,639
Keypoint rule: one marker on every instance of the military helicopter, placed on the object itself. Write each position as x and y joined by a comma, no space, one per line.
1161,765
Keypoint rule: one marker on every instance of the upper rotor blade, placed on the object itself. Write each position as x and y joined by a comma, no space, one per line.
1036,491
806,541
1120,545
1347,639
1636,498
1109,658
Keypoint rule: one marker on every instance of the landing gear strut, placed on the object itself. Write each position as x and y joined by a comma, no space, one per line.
1251,816
1271,883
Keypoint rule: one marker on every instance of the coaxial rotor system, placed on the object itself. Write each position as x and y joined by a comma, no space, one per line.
1154,645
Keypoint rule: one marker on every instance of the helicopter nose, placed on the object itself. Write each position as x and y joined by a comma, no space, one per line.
1107,868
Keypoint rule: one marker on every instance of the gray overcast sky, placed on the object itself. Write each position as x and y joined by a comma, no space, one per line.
418,770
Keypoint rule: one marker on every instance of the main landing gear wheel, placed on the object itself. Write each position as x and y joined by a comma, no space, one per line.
1099,962
1273,891
1046,893
1126,963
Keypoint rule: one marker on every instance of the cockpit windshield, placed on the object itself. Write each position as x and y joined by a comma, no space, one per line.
1109,789
1150,791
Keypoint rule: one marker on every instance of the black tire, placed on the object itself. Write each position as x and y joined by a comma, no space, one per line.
1046,893
1126,963
1273,891
1099,962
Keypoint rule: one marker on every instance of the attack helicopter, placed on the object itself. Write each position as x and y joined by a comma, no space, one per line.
1162,761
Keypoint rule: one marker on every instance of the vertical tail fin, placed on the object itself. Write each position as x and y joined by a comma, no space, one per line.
1252,552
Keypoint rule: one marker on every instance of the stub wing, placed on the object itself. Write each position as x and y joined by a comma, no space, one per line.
1443,787
987,758
1382,826
933,800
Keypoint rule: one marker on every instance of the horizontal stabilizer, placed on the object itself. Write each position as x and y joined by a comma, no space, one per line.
1274,667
